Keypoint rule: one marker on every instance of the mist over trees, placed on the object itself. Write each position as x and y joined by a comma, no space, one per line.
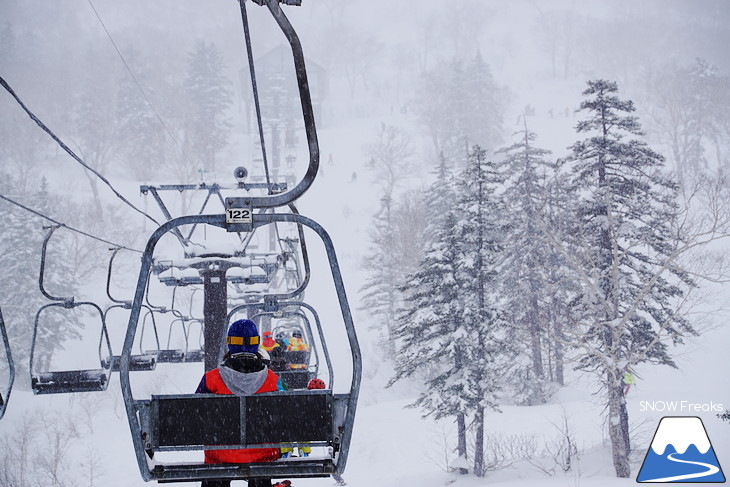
600,240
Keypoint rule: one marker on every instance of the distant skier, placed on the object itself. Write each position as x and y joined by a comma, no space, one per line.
275,351
242,373
629,380
297,344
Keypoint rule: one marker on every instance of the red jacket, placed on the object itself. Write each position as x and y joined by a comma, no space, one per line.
216,385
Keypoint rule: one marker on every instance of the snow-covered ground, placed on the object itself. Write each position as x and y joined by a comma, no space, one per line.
392,445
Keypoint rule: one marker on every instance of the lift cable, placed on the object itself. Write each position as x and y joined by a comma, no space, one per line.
66,226
68,150
249,51
139,86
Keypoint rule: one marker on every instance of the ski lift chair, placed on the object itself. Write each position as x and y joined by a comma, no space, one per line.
297,377
144,361
169,355
5,393
317,418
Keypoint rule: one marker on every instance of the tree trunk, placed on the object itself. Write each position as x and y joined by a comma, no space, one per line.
618,430
461,446
538,394
558,354
479,467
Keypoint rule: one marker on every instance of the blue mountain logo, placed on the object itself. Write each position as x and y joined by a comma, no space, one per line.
681,452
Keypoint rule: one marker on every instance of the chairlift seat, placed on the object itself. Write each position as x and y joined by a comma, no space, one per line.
248,280
297,356
194,356
296,378
70,381
171,356
210,421
137,363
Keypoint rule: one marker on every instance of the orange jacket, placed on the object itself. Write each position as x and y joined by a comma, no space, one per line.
215,384
297,344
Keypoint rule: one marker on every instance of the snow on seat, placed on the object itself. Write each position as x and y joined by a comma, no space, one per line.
70,381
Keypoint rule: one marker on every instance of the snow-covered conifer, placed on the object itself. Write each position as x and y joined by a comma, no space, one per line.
529,261
623,250
452,326
207,97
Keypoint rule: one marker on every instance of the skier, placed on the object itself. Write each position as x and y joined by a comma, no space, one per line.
629,380
275,351
282,340
296,344
242,373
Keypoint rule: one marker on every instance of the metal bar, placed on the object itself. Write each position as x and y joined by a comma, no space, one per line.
215,304
212,189
44,250
283,199
252,71
305,259
183,241
11,366
109,279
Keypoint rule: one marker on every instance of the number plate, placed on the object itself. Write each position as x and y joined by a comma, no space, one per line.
239,215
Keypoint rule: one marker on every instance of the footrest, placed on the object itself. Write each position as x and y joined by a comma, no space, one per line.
70,381
233,471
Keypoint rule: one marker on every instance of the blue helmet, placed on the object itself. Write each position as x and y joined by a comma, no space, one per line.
243,336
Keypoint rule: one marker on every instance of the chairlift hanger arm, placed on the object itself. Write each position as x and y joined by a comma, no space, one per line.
11,367
126,304
44,250
307,110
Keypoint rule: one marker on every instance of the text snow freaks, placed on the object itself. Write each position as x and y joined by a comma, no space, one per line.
680,407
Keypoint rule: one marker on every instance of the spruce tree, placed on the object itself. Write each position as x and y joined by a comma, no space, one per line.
622,250
460,104
452,325
430,344
481,233
207,99
141,134
528,259
20,245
